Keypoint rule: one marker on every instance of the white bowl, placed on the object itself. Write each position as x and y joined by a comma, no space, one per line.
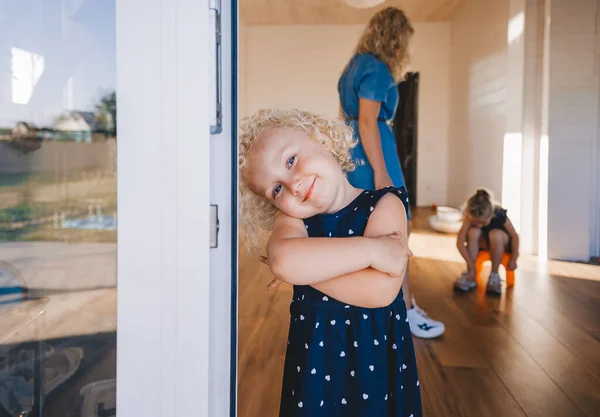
449,214
442,226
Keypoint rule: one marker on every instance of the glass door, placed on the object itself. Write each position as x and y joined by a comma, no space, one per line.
58,208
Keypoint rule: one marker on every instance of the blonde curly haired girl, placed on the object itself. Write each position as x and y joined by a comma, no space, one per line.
344,249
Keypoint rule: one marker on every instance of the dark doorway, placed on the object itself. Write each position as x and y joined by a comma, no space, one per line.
405,129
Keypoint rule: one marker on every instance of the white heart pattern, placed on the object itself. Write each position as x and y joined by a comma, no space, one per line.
332,322
327,378
306,346
300,404
376,342
321,403
298,368
403,366
365,396
397,316
352,373
348,322
385,397
325,298
350,232
321,343
371,367
394,346
301,317
365,316
342,354
372,208
344,401
418,383
314,371
355,343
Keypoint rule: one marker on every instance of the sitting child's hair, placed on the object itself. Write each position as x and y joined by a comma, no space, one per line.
256,212
480,205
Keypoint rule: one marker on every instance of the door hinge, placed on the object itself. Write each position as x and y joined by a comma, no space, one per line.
214,226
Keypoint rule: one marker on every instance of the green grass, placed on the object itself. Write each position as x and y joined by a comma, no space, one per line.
20,213
46,231
11,180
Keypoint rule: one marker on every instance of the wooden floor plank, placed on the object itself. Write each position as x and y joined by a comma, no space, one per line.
481,393
573,376
524,378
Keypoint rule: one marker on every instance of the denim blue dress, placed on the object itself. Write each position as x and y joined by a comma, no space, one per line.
343,360
368,77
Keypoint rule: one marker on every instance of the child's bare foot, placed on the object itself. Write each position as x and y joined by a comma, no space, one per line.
465,282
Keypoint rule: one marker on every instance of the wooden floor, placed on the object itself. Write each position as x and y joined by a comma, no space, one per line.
533,352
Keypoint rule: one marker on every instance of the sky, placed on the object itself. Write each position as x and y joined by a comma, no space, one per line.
55,55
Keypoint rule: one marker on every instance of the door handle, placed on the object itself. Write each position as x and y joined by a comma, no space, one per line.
215,7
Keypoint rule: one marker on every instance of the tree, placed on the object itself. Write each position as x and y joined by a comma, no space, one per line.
106,113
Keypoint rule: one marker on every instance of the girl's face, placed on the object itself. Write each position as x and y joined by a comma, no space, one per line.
297,174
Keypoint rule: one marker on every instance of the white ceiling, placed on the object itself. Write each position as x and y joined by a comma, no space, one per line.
336,12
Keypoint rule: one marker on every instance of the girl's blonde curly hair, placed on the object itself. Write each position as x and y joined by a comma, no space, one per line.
256,212
387,37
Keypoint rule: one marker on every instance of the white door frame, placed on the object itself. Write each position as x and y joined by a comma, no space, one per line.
174,350
223,194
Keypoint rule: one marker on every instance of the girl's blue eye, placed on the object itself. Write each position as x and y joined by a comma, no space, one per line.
291,161
276,190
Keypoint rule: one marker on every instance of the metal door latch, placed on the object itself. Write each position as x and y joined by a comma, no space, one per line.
214,226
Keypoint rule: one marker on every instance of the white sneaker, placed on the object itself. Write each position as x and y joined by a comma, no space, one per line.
422,326
464,284
494,285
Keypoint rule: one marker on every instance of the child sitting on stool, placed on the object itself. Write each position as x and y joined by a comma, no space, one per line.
485,227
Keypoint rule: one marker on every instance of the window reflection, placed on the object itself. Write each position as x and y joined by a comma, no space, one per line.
58,205
27,68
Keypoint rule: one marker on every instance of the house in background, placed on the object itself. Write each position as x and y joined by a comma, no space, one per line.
76,125
24,130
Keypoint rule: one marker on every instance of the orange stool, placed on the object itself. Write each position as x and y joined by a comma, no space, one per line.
485,256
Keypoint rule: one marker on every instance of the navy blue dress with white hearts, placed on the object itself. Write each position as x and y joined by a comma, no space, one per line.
344,360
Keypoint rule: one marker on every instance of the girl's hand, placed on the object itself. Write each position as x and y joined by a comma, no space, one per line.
276,282
512,264
390,254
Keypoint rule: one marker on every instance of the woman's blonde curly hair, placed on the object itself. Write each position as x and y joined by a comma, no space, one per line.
387,37
256,212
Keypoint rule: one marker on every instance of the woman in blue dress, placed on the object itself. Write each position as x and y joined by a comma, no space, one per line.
369,97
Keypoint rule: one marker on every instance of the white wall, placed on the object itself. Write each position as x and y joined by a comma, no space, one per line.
573,211
478,91
299,66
